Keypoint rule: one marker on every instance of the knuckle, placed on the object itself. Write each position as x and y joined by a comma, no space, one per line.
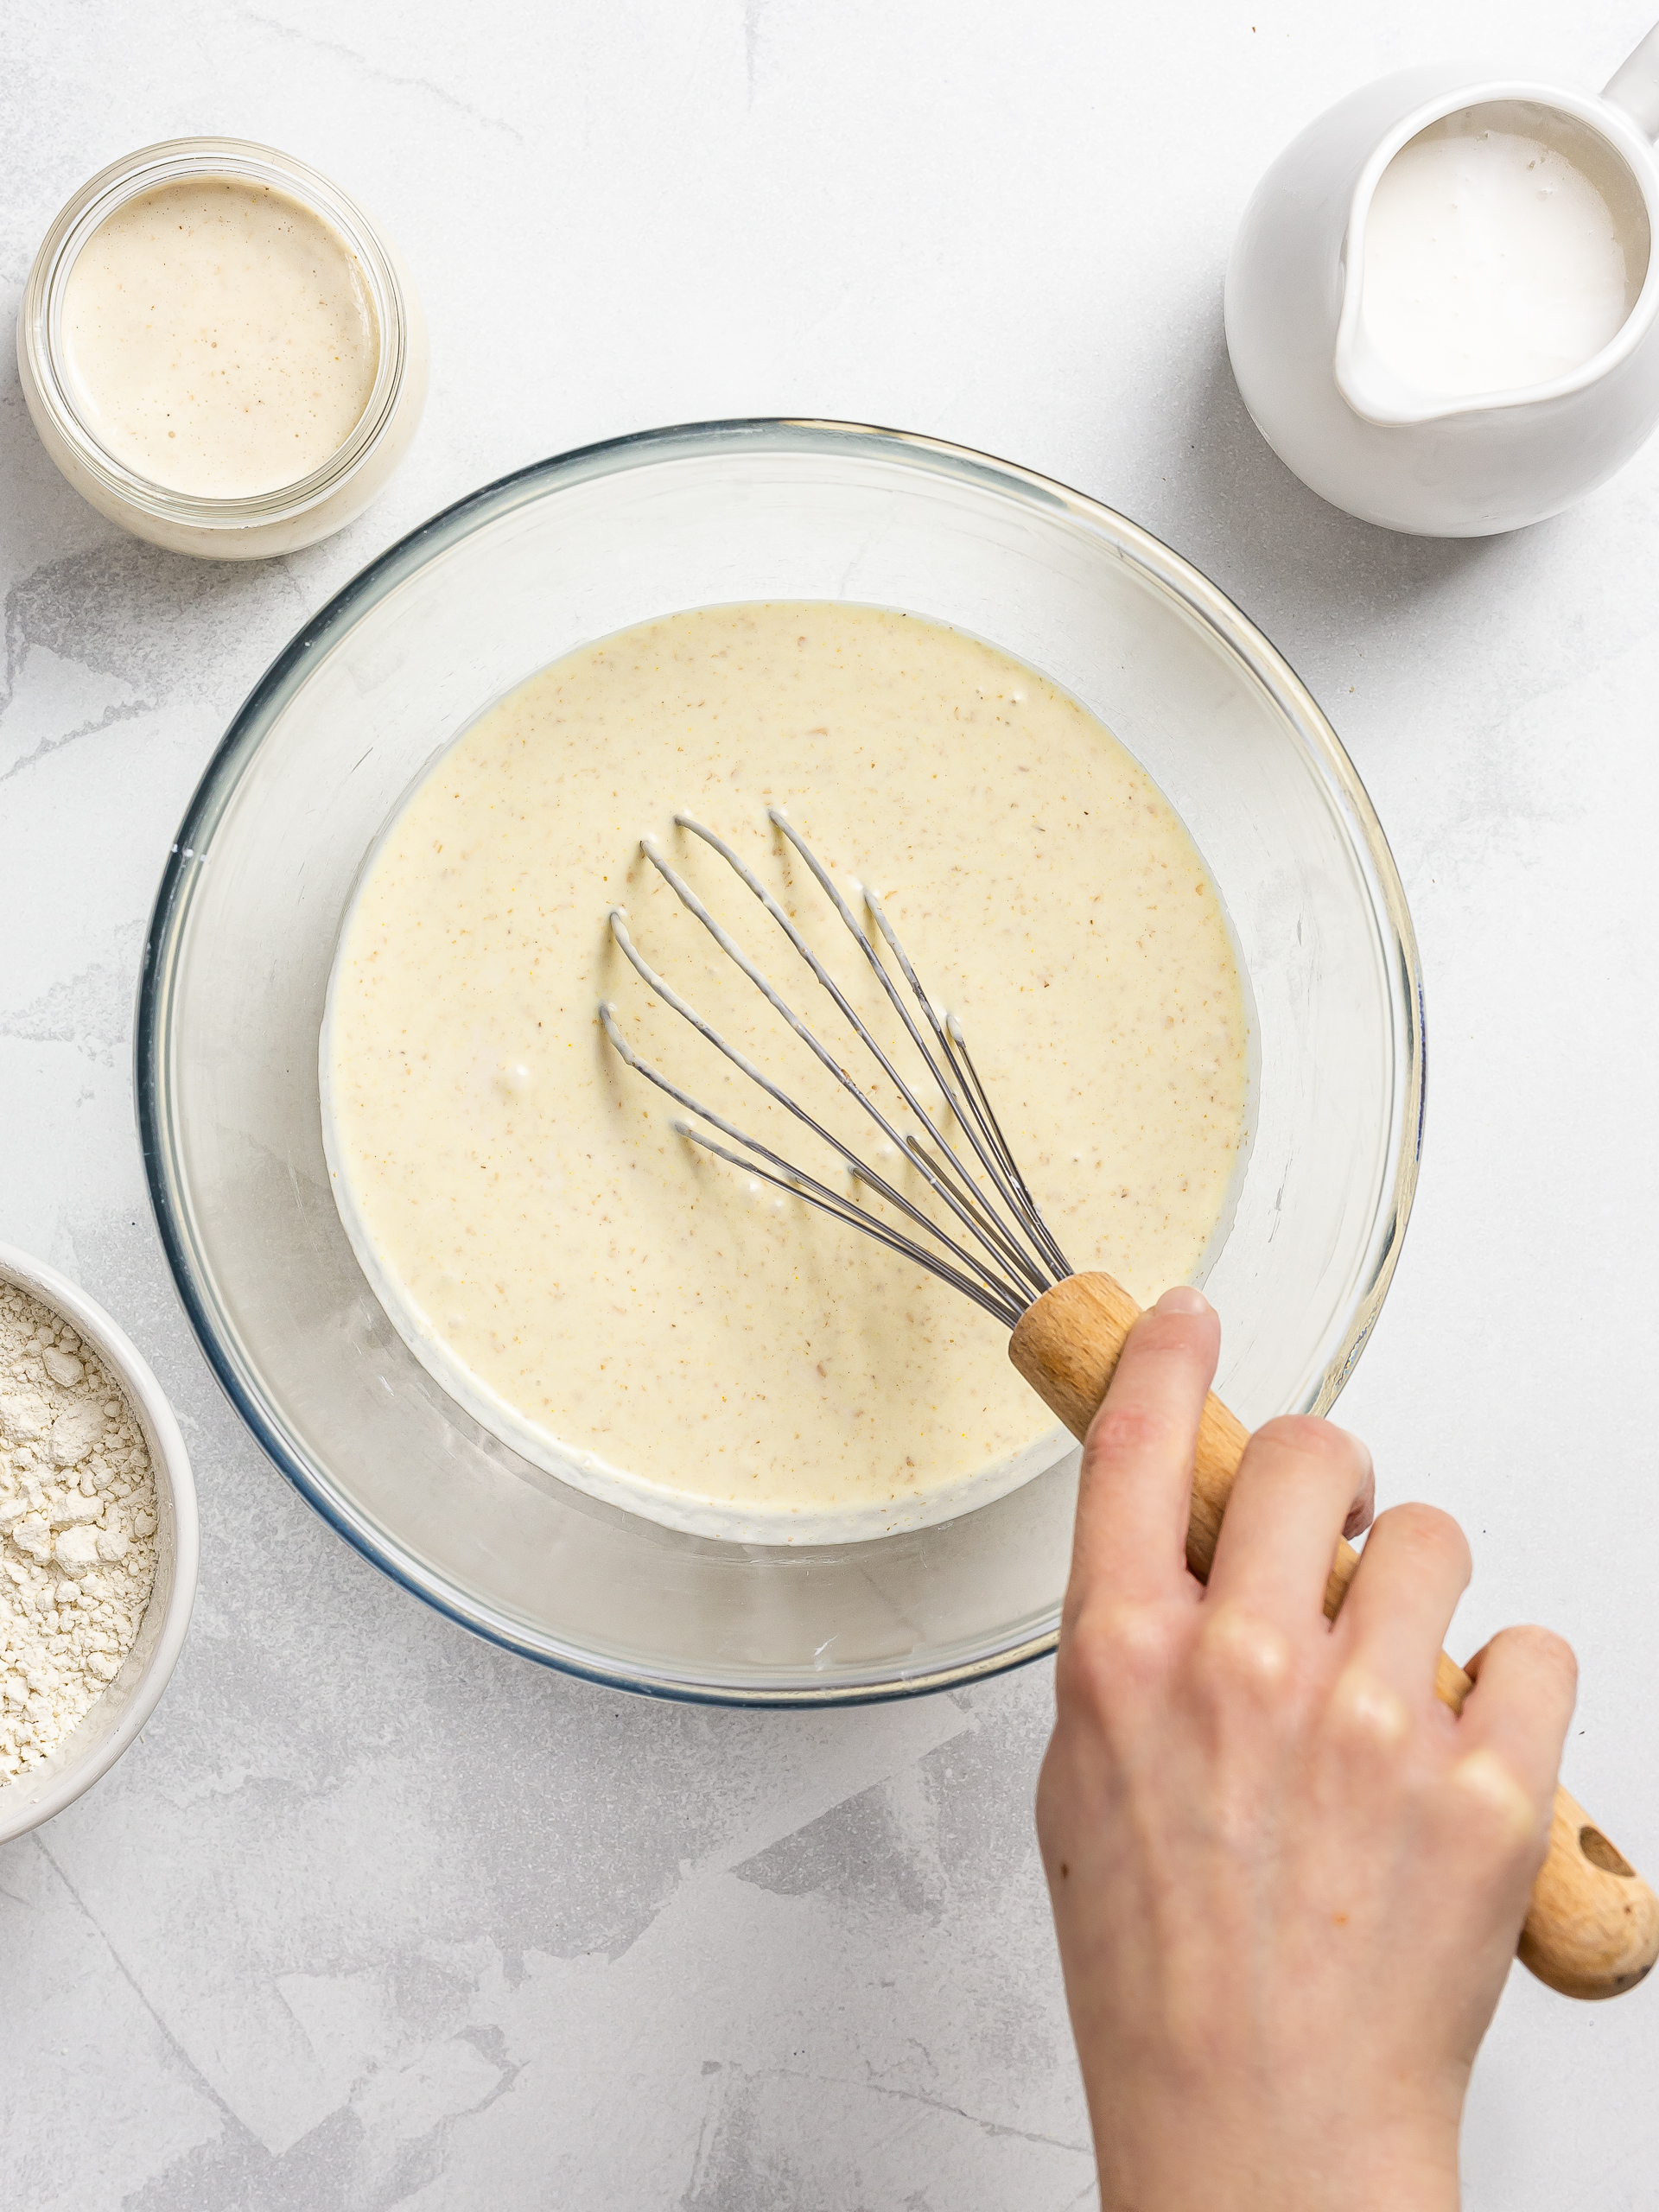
1115,1650
1121,1432
1366,1716
1491,1808
1241,1655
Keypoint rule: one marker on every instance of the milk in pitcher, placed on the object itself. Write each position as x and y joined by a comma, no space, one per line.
1493,259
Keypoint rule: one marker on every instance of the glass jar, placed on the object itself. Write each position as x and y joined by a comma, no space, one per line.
263,523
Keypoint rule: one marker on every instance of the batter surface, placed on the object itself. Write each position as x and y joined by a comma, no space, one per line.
649,1322
219,336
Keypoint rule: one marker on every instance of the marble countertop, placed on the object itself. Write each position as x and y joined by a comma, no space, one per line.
375,1916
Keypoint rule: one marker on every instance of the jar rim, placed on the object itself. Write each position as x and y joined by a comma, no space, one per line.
148,169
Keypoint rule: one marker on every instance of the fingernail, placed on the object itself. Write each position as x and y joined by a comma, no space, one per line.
1182,1300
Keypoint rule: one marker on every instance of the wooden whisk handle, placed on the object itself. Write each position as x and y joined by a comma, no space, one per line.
1592,1929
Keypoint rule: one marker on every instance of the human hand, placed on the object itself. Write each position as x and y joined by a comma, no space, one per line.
1288,1882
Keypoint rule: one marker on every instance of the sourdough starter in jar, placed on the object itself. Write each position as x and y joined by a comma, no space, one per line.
220,337
648,1322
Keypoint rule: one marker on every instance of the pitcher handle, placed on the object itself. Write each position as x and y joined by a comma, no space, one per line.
1635,84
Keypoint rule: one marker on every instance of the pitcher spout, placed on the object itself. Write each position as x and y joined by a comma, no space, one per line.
1368,381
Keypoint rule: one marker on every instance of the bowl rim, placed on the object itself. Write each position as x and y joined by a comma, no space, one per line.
137,1376
1215,612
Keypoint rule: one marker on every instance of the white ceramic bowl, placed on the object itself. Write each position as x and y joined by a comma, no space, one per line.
119,1715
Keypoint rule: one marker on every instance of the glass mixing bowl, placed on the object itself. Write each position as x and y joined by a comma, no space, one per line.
243,938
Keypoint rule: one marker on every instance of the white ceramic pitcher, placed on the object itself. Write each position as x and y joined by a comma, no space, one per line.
1448,467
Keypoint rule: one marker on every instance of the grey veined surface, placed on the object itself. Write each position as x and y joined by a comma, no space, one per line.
427,1926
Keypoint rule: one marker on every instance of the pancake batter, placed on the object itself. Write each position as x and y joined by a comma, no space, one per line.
648,1322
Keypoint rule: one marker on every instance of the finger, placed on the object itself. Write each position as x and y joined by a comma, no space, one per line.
1363,1512
1526,1684
1137,1464
1413,1571
1295,1487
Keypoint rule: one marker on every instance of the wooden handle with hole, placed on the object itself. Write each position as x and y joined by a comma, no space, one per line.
1592,1929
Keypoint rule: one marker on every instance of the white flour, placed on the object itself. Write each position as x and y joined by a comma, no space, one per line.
77,1531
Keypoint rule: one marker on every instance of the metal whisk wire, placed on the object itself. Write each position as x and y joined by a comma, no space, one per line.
1009,1257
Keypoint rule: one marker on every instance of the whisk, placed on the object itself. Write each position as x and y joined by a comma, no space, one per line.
1593,1927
